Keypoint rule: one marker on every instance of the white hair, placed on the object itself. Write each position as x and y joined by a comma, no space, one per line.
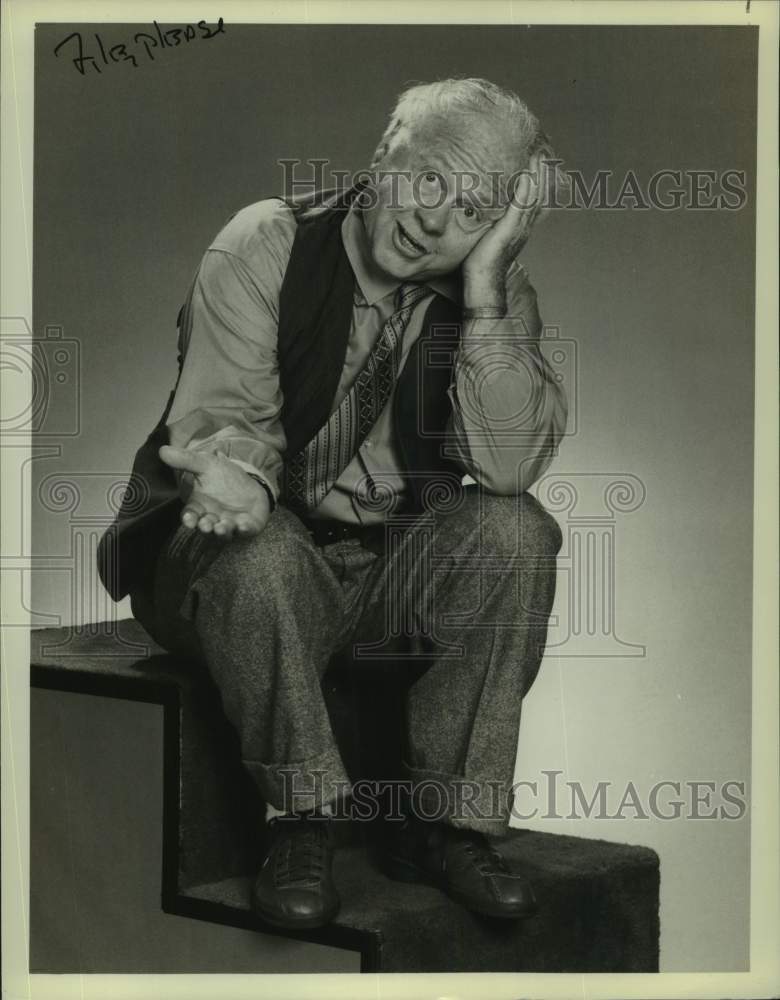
458,100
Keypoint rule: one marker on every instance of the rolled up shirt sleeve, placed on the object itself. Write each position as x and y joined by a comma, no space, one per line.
509,411
228,398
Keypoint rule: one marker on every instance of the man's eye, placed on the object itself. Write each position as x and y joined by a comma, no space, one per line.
431,178
470,213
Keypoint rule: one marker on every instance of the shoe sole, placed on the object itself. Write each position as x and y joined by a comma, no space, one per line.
401,870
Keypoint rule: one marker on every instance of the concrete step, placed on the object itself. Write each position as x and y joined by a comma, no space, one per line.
598,900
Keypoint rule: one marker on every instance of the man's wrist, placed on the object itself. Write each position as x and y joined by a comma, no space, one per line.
496,311
267,488
484,297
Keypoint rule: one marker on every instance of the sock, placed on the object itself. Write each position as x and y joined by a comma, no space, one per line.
272,811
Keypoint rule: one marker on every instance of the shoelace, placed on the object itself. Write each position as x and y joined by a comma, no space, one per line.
486,858
301,859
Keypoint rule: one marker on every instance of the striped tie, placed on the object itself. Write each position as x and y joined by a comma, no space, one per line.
311,473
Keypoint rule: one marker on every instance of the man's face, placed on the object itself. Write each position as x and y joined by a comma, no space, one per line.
440,189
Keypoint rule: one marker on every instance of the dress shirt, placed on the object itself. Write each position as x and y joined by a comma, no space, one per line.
509,412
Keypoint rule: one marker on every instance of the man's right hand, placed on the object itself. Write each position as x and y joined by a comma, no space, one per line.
218,495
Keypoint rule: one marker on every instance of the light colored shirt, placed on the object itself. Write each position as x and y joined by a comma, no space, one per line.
509,412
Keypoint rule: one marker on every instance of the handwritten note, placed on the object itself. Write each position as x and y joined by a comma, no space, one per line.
144,47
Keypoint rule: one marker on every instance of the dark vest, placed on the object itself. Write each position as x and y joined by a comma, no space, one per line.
315,310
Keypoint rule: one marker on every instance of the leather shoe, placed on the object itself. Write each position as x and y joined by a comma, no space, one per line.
295,888
461,863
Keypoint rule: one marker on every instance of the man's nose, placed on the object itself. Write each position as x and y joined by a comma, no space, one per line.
432,219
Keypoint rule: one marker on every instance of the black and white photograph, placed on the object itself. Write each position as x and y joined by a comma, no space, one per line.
389,523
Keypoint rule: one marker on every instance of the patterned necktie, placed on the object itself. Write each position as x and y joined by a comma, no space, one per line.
311,473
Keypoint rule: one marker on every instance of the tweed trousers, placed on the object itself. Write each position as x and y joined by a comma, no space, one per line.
470,587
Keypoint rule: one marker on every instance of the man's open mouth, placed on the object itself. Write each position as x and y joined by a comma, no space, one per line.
408,244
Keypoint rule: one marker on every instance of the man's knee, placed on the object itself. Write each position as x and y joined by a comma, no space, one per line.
516,526
539,531
277,553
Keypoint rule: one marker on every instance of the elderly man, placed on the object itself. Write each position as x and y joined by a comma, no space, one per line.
355,370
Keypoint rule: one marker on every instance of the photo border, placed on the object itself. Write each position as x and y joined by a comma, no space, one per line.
18,19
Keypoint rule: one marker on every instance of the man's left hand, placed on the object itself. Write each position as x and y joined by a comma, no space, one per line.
486,267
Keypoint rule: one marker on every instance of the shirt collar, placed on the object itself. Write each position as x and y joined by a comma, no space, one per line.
372,283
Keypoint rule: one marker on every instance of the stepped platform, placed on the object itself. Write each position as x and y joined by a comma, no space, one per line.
598,900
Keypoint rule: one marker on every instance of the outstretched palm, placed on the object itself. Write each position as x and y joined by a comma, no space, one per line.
218,495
